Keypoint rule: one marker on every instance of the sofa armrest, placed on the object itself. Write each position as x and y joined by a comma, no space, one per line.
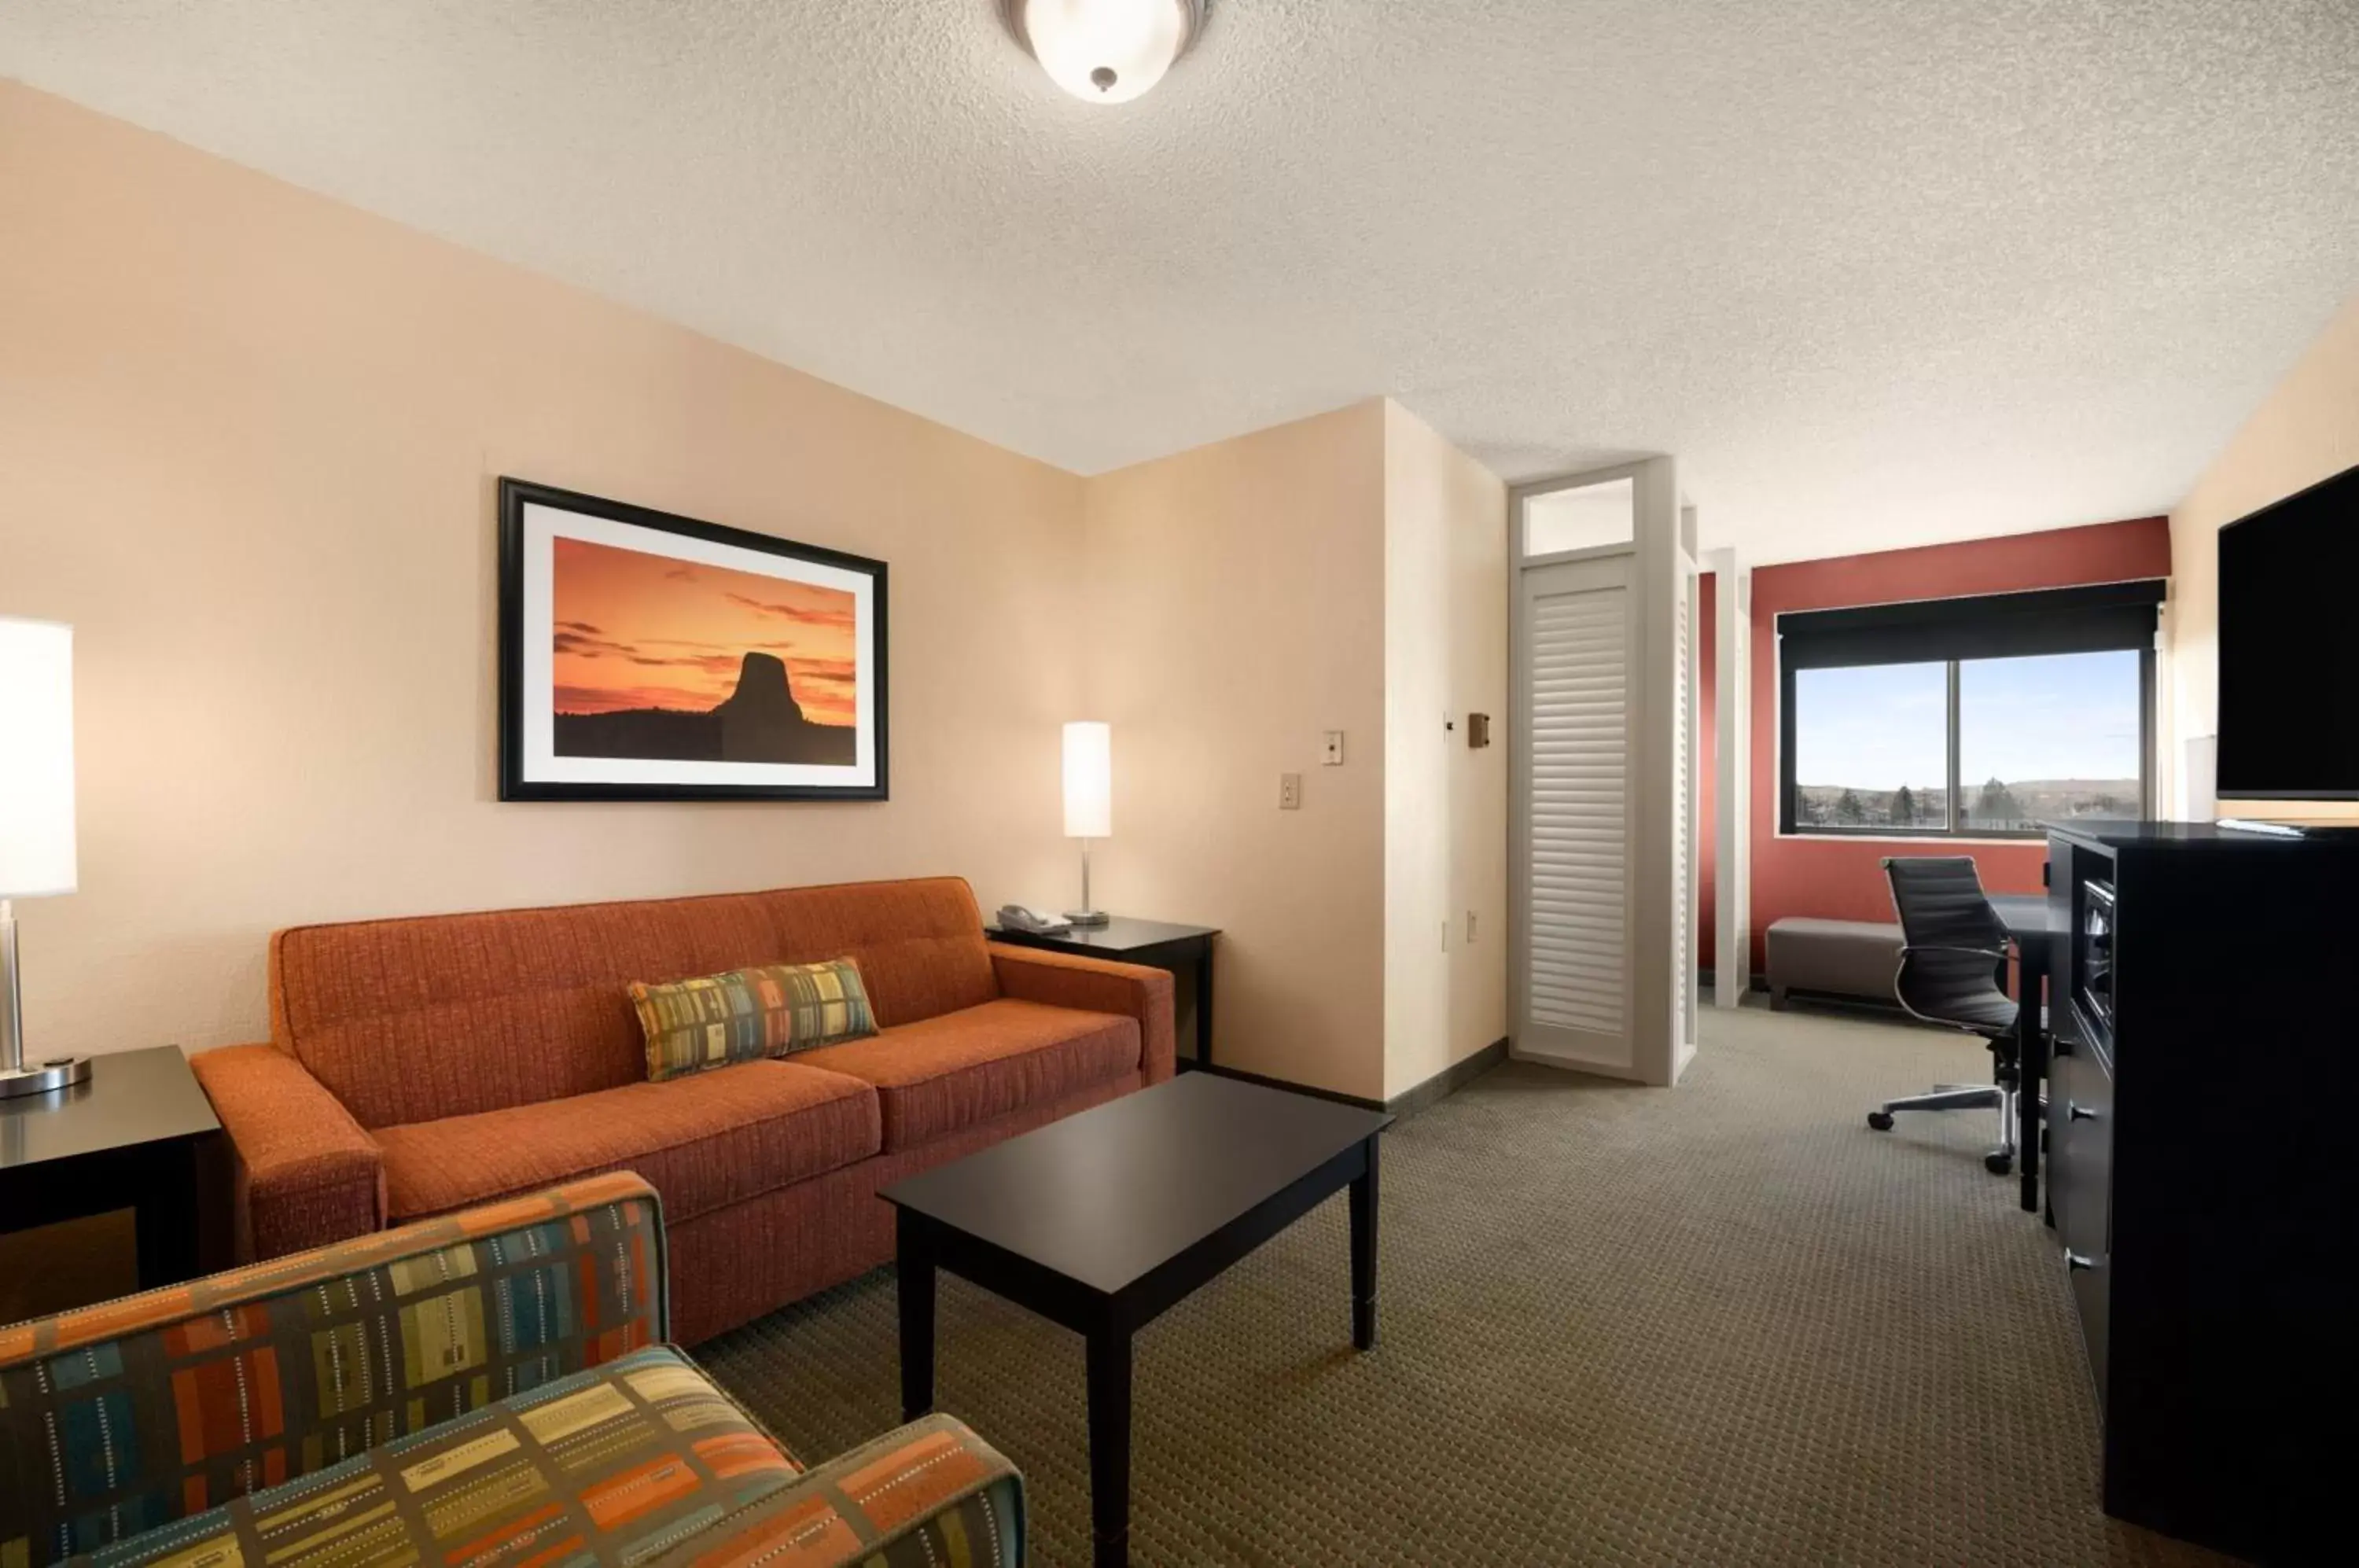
306,1173
1097,986
187,1397
928,1492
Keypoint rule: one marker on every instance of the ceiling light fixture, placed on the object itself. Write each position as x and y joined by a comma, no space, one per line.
1104,52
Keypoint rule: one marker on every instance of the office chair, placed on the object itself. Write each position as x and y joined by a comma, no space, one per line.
1953,972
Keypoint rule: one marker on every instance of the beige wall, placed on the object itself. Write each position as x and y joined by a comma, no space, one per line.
1235,611
2307,431
1445,804
1346,572
248,441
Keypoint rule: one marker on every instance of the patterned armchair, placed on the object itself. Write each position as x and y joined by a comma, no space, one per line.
490,1388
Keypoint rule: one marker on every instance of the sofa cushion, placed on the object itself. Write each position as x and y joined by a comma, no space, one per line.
692,1026
411,1021
919,943
608,1465
956,1070
930,1495
704,1141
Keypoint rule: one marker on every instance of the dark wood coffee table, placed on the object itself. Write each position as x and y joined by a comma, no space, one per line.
1105,1220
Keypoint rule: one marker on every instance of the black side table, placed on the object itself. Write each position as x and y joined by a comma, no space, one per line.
138,1135
1185,952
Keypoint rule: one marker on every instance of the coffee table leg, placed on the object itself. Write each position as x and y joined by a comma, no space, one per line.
1363,1255
914,1265
1109,1445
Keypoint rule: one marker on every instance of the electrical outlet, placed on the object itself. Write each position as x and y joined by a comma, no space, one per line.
1333,755
1289,791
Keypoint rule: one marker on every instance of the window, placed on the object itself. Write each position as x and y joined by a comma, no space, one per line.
2045,739
1582,517
1968,717
1871,747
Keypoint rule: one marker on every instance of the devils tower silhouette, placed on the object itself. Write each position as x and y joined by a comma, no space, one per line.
758,722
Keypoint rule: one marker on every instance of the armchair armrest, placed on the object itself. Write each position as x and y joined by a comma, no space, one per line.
932,1489
306,1173
1098,986
176,1401
1999,954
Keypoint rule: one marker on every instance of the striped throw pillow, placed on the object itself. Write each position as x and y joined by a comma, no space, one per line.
749,1013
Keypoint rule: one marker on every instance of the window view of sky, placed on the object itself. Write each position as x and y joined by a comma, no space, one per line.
2071,715
2039,739
1874,727
2057,716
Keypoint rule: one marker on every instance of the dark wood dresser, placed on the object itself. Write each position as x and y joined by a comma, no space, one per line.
2202,1164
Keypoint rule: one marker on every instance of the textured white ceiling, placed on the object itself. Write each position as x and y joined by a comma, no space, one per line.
1878,272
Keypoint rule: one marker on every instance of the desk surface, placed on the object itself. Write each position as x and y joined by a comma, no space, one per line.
2025,915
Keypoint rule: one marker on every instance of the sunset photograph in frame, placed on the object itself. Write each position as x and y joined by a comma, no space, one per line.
646,655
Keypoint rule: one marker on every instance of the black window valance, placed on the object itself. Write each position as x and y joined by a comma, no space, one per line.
2103,617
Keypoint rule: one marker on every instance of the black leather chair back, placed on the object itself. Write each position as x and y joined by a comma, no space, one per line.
1953,945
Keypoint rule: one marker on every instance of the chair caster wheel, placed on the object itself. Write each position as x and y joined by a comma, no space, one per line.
1998,1164
1880,1120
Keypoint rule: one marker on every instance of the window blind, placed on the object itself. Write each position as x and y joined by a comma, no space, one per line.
2101,619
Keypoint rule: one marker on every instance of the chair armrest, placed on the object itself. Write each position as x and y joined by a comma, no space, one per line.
306,1173
206,1392
1097,986
932,1489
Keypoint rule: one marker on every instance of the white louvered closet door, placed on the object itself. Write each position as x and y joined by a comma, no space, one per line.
1684,812
1579,706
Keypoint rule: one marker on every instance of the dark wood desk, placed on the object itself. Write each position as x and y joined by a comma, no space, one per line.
1185,952
1107,1219
135,1136
2025,915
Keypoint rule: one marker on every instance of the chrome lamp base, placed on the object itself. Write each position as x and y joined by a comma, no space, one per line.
1085,915
17,1076
44,1077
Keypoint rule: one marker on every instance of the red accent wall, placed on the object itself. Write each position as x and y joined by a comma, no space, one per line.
1840,878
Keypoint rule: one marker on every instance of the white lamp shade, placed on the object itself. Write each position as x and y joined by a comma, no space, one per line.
1089,781
37,769
1104,52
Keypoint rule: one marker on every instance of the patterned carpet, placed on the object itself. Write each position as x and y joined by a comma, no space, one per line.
1724,1323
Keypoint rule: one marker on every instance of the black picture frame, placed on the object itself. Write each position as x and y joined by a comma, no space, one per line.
515,784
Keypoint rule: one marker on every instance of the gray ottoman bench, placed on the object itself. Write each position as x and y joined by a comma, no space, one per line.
1832,958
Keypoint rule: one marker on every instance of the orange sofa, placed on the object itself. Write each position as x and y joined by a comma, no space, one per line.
419,1067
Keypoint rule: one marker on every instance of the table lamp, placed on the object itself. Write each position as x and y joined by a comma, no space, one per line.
1089,802
36,820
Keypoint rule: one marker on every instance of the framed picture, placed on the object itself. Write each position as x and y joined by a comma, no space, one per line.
645,657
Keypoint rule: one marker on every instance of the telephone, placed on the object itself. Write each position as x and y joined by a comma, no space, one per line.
1015,917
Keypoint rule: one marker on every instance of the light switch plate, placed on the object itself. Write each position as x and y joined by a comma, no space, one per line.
1333,755
1289,791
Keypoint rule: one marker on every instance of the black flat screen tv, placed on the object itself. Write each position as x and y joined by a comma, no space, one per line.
2289,649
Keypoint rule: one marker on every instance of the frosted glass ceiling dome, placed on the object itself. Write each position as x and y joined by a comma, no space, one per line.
1104,52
